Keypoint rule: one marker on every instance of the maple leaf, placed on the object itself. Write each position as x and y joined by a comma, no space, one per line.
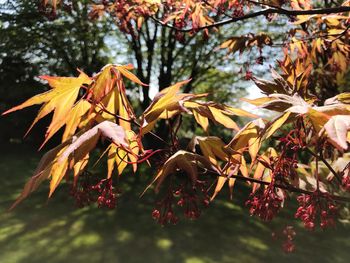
277,85
88,140
166,100
233,170
74,118
275,124
59,99
71,120
55,163
79,167
182,161
108,95
218,113
113,105
258,101
104,83
318,119
43,171
116,157
108,78
340,98
199,17
234,44
249,137
212,148
337,129
333,109
341,165
125,71
282,102
344,97
263,167
166,104
241,43
77,152
170,102
320,115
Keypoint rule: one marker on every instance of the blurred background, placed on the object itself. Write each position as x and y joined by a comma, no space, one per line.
33,43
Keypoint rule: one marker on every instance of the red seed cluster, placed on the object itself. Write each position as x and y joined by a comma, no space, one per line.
164,213
265,204
283,168
289,246
187,197
316,208
191,201
287,236
288,161
107,196
85,193
294,140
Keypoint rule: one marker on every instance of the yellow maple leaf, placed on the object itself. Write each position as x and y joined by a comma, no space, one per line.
60,99
212,148
41,173
164,100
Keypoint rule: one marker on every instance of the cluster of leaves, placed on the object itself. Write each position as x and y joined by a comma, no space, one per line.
98,107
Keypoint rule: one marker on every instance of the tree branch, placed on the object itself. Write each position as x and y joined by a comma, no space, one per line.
289,188
265,12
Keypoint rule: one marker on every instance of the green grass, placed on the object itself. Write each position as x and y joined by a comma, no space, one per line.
37,231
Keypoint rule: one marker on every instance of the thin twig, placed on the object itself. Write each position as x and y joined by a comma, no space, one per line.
326,163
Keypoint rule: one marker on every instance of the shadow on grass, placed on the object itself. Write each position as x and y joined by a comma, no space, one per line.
58,232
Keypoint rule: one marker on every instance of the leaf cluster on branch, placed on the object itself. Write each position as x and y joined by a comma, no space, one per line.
311,117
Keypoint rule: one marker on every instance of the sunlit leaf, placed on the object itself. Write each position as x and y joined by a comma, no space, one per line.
182,161
211,147
41,173
275,124
337,128
88,140
59,99
124,70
